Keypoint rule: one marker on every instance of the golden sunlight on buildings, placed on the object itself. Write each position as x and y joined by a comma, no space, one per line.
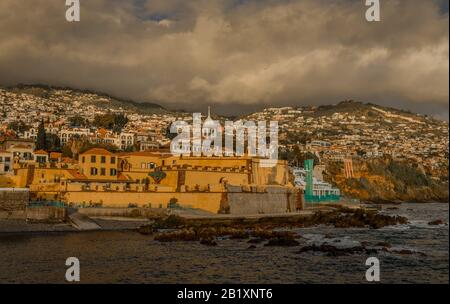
157,179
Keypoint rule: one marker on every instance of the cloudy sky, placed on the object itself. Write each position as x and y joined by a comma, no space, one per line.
237,55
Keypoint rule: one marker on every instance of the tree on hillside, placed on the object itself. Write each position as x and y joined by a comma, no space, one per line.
41,141
120,121
53,142
115,122
297,157
18,126
78,121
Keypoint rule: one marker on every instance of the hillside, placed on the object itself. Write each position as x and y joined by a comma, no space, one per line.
367,133
397,155
387,180
97,99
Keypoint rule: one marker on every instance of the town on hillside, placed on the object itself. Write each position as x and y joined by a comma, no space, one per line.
65,144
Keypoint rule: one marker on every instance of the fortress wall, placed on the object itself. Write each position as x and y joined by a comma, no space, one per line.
276,175
251,200
14,199
257,203
209,201
122,212
205,177
46,214
13,203
269,199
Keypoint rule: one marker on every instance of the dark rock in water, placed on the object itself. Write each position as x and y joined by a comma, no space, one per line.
392,208
331,250
270,234
182,235
407,252
239,234
436,222
251,247
371,251
146,230
383,244
256,241
208,242
344,217
172,221
403,251
283,241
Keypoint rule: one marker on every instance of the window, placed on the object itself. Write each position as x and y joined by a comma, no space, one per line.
103,159
151,165
143,165
1,159
112,172
102,171
113,160
83,159
94,171
7,159
93,159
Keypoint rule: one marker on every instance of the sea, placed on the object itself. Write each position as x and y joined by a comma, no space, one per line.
417,253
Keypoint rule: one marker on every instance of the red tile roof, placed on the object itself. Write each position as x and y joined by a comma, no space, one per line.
97,151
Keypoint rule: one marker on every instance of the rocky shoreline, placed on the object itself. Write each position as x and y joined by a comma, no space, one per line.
207,230
268,230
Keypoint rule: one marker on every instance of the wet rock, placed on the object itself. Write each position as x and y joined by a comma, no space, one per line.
436,222
256,240
172,221
145,230
383,244
270,234
331,250
239,234
251,247
392,208
403,251
182,235
208,242
371,251
283,241
344,217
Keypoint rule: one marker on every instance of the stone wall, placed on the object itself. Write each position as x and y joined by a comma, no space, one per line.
46,214
261,200
13,199
123,212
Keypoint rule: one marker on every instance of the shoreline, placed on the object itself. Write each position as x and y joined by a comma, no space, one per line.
12,226
121,223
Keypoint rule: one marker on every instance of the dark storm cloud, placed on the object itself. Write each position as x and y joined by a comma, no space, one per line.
192,53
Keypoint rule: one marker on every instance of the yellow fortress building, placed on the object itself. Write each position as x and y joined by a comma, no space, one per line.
158,179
